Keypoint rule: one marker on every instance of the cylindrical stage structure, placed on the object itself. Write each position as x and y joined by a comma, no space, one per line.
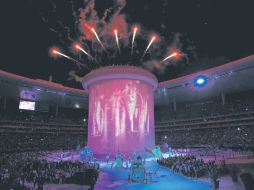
121,110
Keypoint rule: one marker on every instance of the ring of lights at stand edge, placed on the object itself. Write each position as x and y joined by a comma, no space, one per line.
121,110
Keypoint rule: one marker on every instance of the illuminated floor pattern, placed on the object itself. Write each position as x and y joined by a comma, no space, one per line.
116,179
165,179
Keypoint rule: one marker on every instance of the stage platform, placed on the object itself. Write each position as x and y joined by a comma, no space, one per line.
117,178
161,179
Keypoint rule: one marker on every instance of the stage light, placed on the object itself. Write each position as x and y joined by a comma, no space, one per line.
200,81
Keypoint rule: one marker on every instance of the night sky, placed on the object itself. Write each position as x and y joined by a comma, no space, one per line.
216,28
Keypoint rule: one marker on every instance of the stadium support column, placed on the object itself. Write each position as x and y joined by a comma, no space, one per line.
223,98
4,103
56,114
57,106
174,104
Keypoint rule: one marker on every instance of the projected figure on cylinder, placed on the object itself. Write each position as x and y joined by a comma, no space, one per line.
121,112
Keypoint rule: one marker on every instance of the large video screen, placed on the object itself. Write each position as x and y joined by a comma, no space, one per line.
26,105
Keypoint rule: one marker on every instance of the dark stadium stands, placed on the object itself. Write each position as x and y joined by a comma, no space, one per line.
39,131
209,122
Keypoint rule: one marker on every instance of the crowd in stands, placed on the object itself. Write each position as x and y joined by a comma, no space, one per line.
27,171
27,136
209,123
220,137
22,131
234,103
61,119
215,153
195,168
21,142
186,165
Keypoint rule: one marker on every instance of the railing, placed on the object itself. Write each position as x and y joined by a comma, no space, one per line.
27,123
7,126
205,117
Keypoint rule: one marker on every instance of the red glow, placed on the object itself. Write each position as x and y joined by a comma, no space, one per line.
135,29
116,32
76,46
96,35
87,28
53,52
118,23
176,54
173,54
153,38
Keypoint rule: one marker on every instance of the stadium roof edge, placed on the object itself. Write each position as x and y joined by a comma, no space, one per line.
214,70
232,77
40,82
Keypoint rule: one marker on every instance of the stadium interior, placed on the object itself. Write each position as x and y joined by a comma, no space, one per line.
41,118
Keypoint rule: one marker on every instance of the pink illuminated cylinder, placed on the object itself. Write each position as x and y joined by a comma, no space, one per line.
121,110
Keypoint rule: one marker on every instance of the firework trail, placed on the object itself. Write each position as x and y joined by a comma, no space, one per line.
78,47
98,39
170,56
100,47
133,38
117,40
57,52
149,45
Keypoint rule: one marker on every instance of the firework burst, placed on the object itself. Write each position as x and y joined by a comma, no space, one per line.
102,38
